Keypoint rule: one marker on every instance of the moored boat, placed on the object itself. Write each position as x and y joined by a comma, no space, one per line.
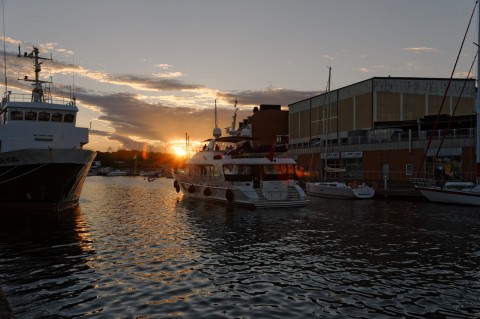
117,172
42,161
228,170
457,192
340,189
335,188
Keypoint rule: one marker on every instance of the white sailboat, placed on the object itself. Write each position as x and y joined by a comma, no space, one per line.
460,193
339,189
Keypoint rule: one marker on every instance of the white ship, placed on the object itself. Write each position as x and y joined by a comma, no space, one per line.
228,170
42,161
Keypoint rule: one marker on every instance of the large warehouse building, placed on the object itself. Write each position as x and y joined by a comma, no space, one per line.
387,128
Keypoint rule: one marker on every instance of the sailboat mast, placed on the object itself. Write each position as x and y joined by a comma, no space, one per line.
477,105
328,125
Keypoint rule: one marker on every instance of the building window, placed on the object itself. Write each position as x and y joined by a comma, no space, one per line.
409,169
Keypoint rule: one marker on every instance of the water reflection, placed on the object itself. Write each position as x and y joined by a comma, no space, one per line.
362,258
138,249
44,261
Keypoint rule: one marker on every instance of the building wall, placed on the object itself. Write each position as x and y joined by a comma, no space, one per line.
360,105
267,124
367,104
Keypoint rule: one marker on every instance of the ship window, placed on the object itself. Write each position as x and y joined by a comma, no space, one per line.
57,117
68,118
210,171
16,115
278,172
30,116
234,172
44,116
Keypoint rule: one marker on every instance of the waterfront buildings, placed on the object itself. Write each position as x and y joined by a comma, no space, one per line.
387,129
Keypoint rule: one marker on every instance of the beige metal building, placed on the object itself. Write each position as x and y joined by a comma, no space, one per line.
380,128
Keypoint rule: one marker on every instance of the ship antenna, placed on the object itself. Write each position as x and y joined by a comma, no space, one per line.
234,120
4,49
216,122
73,79
217,132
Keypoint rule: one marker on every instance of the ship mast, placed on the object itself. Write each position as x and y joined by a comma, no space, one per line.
37,92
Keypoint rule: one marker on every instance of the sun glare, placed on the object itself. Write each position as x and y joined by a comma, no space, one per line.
179,151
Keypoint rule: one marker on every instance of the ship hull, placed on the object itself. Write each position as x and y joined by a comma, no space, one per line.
272,194
49,179
339,190
459,197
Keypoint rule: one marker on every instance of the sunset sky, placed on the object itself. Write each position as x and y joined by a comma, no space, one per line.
147,72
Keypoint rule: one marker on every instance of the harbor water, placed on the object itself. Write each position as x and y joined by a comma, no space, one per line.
137,249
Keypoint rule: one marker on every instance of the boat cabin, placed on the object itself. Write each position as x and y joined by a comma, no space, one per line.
25,124
14,114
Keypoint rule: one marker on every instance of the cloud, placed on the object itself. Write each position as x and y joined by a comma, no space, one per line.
174,109
157,82
365,70
268,96
421,50
168,75
164,66
128,116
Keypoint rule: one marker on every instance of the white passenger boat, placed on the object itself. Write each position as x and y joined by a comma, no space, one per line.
229,171
341,190
42,161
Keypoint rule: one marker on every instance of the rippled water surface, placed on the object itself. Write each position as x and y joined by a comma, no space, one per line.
137,249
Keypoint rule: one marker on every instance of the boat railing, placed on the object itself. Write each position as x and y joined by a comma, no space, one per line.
422,182
259,155
27,98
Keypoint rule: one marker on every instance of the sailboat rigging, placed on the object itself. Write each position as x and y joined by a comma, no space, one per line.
326,168
339,189
463,192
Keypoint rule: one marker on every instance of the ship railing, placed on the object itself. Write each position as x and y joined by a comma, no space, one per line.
260,155
26,98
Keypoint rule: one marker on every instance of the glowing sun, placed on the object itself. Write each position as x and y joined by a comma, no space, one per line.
179,151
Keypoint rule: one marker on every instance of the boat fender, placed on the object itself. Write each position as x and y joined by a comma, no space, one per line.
229,195
207,191
177,187
191,189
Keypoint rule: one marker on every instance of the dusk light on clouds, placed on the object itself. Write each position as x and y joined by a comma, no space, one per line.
148,72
